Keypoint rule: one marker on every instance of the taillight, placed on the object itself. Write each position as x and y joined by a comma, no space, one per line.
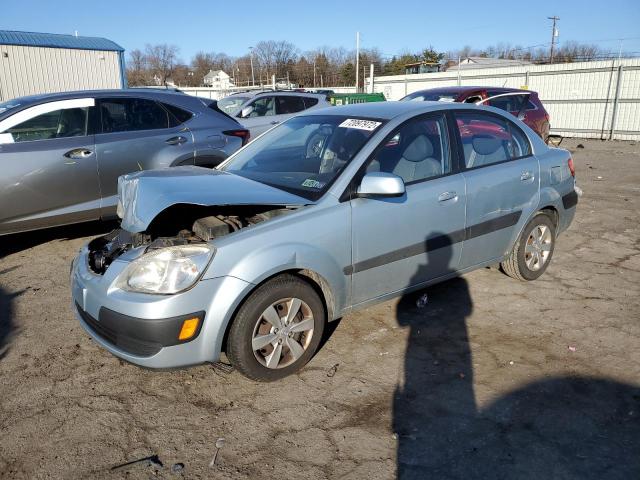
243,134
572,169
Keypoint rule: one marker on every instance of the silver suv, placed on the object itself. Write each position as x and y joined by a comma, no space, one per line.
263,110
62,154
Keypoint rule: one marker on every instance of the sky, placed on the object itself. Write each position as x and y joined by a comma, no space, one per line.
391,26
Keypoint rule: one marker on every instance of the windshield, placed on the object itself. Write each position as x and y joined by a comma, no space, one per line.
430,96
305,154
231,105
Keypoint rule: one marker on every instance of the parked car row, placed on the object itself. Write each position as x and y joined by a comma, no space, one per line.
253,255
64,152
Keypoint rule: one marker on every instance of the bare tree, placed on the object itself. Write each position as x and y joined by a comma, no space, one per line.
137,72
274,56
161,60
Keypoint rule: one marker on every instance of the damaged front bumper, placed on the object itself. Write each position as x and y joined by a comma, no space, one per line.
138,327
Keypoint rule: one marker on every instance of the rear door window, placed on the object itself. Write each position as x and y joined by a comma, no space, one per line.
509,103
488,139
288,104
132,114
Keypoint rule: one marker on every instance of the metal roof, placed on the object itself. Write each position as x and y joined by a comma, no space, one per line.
54,40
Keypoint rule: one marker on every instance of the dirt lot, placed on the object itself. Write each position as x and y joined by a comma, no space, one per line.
491,379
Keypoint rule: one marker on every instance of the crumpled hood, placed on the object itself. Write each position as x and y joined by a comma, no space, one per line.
143,195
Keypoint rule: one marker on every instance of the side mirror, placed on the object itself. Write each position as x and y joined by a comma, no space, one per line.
6,138
246,111
381,184
521,116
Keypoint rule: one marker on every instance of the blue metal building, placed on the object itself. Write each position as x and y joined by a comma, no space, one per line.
32,63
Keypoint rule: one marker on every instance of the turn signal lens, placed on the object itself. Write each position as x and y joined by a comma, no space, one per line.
189,328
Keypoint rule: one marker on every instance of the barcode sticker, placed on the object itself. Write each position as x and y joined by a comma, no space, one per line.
368,125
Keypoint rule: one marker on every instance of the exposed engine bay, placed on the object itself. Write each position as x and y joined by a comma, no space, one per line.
190,225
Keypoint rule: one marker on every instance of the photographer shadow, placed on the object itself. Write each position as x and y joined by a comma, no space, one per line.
564,427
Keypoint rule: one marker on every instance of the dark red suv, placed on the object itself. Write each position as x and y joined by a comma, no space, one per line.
523,104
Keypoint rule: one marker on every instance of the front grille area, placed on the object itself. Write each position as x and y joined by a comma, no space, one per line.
126,343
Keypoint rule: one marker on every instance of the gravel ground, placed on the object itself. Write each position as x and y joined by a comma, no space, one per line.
493,378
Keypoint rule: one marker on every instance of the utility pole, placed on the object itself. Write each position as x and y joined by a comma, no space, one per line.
364,76
357,60
371,79
253,78
554,34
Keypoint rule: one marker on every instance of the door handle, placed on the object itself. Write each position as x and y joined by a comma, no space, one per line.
175,140
524,176
78,153
443,197
275,122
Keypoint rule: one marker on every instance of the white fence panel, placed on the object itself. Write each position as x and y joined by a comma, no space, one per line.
580,97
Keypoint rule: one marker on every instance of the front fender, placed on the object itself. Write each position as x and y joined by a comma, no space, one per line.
263,263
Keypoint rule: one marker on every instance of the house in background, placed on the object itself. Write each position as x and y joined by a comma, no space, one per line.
421,67
217,79
470,63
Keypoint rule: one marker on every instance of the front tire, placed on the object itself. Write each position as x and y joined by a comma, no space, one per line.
532,253
277,330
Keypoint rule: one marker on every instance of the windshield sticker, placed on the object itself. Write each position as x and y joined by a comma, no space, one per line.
313,183
368,125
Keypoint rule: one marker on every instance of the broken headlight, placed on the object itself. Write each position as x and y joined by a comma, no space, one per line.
166,270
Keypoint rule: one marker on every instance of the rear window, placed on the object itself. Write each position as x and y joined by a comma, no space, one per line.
430,97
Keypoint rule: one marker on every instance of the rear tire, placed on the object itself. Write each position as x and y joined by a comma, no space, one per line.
533,250
277,330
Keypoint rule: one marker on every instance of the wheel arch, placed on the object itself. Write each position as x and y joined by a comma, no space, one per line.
550,210
316,281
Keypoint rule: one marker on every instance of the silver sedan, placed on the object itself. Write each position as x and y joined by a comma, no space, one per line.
332,211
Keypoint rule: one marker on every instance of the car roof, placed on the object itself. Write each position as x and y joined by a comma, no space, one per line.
465,89
287,93
126,92
385,110
162,95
